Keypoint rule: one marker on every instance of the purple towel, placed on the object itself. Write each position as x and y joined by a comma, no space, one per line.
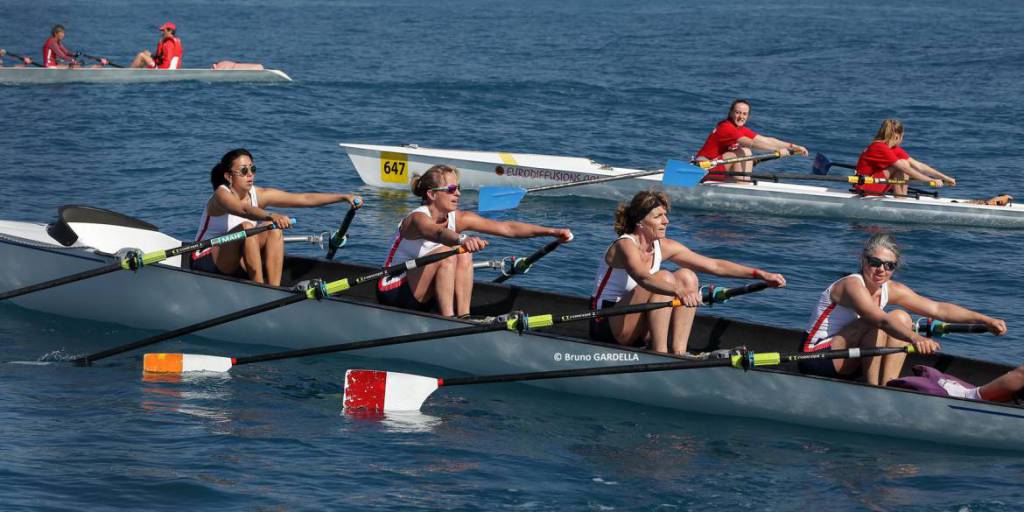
927,381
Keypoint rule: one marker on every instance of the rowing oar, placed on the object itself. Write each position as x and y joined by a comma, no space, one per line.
133,260
102,60
708,164
696,174
822,164
504,198
26,60
522,266
933,328
517,322
383,391
317,291
341,235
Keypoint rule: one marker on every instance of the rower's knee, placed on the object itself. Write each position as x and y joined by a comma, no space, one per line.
902,317
687,278
463,261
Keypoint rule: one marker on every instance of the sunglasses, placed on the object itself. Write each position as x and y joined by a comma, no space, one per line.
245,171
451,189
875,262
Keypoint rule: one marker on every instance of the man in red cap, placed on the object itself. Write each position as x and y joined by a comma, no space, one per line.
168,51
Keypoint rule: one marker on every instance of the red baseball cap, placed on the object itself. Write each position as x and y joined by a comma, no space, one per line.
168,25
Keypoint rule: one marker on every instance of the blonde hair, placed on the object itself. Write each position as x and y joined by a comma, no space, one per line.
890,131
433,178
627,216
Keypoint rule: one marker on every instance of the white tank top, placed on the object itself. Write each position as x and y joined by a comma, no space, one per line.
829,317
612,284
210,227
405,250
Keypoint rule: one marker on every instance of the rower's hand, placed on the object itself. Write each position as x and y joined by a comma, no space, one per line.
793,149
925,345
281,221
355,201
774,280
935,183
564,235
996,326
949,181
474,244
690,299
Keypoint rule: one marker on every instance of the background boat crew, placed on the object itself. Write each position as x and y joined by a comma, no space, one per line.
851,313
237,204
732,138
437,225
884,158
631,273
55,55
168,51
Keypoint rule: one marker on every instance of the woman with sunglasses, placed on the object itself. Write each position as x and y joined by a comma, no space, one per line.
631,273
851,314
237,204
437,226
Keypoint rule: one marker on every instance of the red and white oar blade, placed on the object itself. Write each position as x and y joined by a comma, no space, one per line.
181,363
381,391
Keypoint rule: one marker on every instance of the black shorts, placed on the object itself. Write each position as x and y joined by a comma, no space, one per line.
205,263
821,368
402,297
601,329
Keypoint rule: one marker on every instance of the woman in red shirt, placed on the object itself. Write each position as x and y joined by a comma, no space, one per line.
884,158
732,138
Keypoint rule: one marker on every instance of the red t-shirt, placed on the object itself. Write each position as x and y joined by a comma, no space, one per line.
166,51
55,54
723,138
874,161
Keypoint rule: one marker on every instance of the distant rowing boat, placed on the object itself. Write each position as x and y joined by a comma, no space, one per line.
390,167
165,296
27,75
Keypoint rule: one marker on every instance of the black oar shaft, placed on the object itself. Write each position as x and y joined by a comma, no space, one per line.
598,180
529,261
339,238
106,269
101,59
34,63
381,342
230,317
771,359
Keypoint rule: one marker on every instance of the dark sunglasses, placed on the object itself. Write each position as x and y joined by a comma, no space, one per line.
451,189
245,171
875,262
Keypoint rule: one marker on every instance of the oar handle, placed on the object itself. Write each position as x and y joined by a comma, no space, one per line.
341,236
933,328
523,266
711,295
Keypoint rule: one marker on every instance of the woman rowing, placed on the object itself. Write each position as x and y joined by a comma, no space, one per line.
732,138
438,225
884,158
851,314
631,273
237,204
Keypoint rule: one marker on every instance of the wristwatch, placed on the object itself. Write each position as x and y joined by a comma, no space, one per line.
462,238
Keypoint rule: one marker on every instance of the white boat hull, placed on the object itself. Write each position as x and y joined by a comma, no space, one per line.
164,297
374,164
34,75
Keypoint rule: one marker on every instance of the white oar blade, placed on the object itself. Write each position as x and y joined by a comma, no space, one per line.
499,198
181,363
381,391
682,174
